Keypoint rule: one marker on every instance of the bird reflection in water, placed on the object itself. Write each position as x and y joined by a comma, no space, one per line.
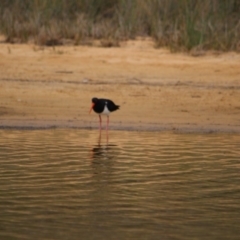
103,150
103,160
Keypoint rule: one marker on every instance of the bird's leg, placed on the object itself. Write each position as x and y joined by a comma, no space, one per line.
107,122
100,122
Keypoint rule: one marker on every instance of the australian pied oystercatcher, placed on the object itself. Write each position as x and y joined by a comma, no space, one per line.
103,106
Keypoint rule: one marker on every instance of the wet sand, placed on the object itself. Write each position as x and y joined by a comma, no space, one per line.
43,87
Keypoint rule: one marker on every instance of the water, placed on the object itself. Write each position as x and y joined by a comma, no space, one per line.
69,184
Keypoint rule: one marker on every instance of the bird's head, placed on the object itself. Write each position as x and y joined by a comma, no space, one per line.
94,101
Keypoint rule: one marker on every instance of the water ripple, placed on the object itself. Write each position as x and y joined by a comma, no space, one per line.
71,184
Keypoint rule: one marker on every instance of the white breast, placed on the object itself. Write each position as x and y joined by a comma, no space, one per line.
105,110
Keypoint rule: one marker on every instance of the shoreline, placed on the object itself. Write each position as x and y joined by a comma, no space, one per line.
183,129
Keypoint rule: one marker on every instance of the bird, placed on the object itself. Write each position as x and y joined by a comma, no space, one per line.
103,106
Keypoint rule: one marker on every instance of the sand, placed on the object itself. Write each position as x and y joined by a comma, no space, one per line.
43,87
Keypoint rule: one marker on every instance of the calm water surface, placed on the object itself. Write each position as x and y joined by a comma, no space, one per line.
69,184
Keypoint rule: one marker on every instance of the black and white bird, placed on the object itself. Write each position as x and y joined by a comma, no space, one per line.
103,106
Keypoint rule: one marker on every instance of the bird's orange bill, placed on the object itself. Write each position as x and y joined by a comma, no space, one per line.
91,107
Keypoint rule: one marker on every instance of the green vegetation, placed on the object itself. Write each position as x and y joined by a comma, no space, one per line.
181,25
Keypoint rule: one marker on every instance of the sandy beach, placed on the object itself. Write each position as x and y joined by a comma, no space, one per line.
43,87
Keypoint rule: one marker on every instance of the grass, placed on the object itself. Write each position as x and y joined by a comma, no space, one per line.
181,25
